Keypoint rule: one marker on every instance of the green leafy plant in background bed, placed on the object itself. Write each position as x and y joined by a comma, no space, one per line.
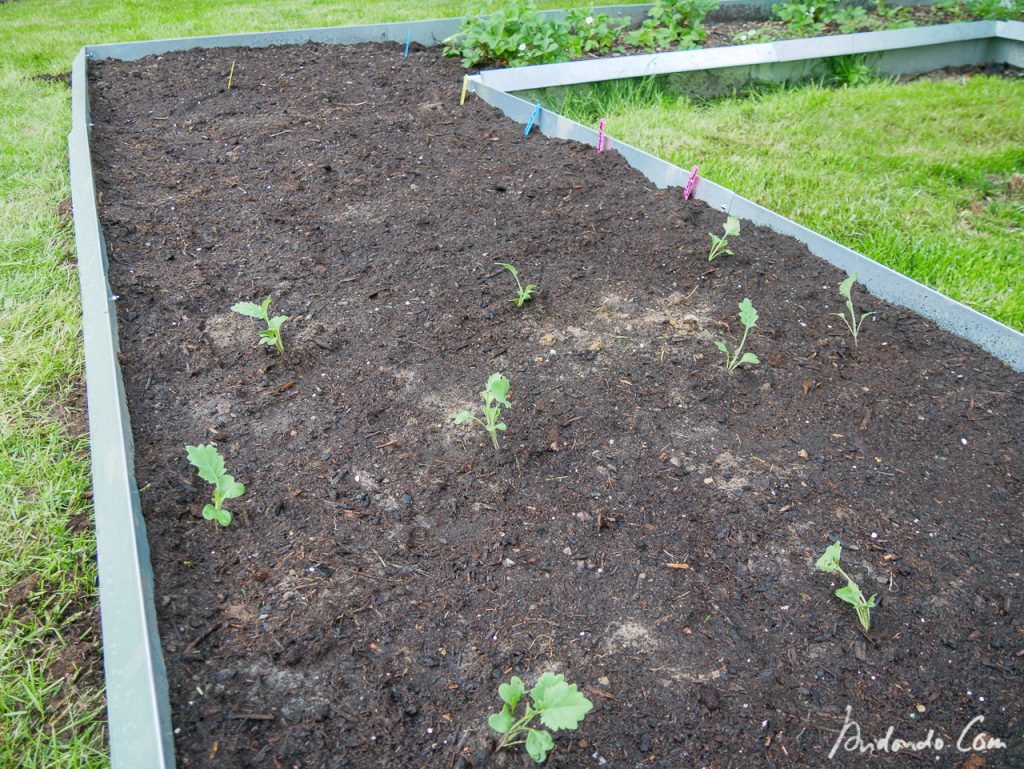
594,33
810,17
851,593
672,24
990,10
518,34
513,36
558,704
210,464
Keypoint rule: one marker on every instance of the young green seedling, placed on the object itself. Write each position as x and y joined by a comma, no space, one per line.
853,322
559,705
210,465
829,563
494,396
720,245
271,335
748,317
524,295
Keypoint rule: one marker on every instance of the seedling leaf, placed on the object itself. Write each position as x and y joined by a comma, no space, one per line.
847,285
221,516
562,706
498,387
231,489
463,416
748,315
512,692
749,357
721,346
829,561
250,310
501,721
538,743
510,268
207,461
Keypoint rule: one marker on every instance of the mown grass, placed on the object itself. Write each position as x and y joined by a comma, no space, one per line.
919,176
51,698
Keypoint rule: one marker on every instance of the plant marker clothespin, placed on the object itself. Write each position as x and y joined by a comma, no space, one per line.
600,136
690,182
408,39
533,118
465,85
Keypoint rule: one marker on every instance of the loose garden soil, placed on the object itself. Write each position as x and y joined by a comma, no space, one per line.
650,525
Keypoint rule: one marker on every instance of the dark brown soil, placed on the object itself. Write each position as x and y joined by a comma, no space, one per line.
387,569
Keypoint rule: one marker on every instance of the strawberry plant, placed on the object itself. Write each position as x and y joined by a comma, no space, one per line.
513,36
271,335
829,563
592,32
210,464
672,24
494,396
559,705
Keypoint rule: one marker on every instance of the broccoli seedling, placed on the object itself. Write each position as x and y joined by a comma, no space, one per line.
523,295
271,335
719,245
559,705
494,396
853,323
829,563
748,317
210,464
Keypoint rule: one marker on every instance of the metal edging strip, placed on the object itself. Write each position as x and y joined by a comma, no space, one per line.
138,711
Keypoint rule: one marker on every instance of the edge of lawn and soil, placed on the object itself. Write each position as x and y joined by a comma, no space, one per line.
51,689
50,683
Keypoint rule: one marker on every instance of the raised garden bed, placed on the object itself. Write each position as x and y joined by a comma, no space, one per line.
386,569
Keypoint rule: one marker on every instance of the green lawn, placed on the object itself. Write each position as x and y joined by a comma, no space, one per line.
918,176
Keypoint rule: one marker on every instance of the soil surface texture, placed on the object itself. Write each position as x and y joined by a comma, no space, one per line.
650,525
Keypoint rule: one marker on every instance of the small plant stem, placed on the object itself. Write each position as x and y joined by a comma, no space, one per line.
516,729
736,355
